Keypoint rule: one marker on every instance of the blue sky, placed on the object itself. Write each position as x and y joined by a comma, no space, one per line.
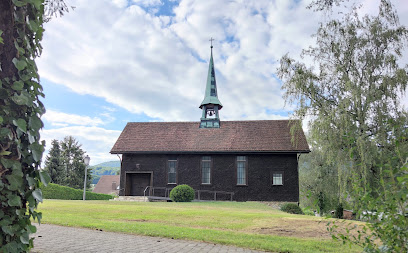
109,62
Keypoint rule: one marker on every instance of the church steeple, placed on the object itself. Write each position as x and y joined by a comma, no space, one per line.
210,105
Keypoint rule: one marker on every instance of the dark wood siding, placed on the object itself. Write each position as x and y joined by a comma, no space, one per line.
223,174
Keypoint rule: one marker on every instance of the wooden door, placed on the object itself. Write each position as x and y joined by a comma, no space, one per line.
138,183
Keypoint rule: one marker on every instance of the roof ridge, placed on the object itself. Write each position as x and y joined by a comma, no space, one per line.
224,121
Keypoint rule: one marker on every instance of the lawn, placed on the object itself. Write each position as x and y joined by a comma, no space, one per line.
243,224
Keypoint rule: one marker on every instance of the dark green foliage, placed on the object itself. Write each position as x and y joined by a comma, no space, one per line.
54,191
21,30
291,208
321,203
54,165
182,193
72,158
339,211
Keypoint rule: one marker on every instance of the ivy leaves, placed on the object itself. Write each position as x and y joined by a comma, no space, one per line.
20,109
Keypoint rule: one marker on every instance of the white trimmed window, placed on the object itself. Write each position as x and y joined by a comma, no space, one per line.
241,170
172,171
206,170
277,178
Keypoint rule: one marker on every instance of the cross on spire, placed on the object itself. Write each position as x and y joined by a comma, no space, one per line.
211,42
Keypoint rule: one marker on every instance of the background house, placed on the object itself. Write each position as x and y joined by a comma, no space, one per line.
108,184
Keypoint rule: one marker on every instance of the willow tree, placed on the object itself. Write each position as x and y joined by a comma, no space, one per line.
351,87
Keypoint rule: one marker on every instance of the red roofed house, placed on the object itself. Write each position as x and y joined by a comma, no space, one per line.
255,160
108,184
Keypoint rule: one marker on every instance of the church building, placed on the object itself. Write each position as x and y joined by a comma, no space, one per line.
253,160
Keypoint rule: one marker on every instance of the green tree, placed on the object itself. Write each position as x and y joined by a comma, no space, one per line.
54,165
318,181
73,161
352,91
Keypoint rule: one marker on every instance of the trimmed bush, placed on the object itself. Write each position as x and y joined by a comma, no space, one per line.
291,208
55,191
182,193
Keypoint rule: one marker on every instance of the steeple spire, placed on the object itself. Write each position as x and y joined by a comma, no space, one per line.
210,105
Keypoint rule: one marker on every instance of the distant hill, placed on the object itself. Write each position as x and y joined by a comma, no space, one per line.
106,168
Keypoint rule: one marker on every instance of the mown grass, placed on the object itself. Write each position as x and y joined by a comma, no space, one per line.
231,223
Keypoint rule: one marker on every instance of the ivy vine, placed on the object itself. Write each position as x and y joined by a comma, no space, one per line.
21,31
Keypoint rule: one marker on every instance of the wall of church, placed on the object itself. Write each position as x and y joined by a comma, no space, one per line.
260,169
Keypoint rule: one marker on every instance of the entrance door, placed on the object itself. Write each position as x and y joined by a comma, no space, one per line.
138,183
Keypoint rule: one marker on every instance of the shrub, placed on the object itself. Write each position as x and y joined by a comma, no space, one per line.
182,193
55,191
291,208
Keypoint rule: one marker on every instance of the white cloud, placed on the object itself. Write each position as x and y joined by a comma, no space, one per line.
154,64
65,119
96,141
147,64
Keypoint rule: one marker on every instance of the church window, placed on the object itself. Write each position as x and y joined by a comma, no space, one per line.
241,170
206,170
277,178
172,171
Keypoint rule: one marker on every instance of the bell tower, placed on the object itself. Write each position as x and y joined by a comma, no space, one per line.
210,105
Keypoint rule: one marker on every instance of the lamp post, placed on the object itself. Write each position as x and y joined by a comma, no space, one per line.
86,161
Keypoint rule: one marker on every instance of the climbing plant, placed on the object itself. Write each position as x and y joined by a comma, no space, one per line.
21,30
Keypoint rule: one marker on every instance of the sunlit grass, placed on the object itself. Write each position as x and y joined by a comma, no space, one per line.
243,224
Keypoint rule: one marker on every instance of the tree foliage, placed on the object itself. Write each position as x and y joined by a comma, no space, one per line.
353,90
21,30
352,94
387,214
318,181
72,157
54,165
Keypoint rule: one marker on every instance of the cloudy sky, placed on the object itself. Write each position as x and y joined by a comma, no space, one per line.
109,62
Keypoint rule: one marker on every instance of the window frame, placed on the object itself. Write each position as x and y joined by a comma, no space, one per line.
246,169
201,169
171,159
277,172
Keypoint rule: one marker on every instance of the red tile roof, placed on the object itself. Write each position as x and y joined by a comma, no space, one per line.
232,136
104,184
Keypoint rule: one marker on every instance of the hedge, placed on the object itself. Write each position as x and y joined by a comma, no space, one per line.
55,191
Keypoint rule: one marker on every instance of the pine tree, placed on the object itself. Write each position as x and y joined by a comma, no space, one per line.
72,158
54,165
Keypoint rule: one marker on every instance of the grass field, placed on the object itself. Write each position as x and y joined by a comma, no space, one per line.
243,224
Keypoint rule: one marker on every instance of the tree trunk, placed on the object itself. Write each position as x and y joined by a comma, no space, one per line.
7,50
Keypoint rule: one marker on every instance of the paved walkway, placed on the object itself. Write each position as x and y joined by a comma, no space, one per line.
52,239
